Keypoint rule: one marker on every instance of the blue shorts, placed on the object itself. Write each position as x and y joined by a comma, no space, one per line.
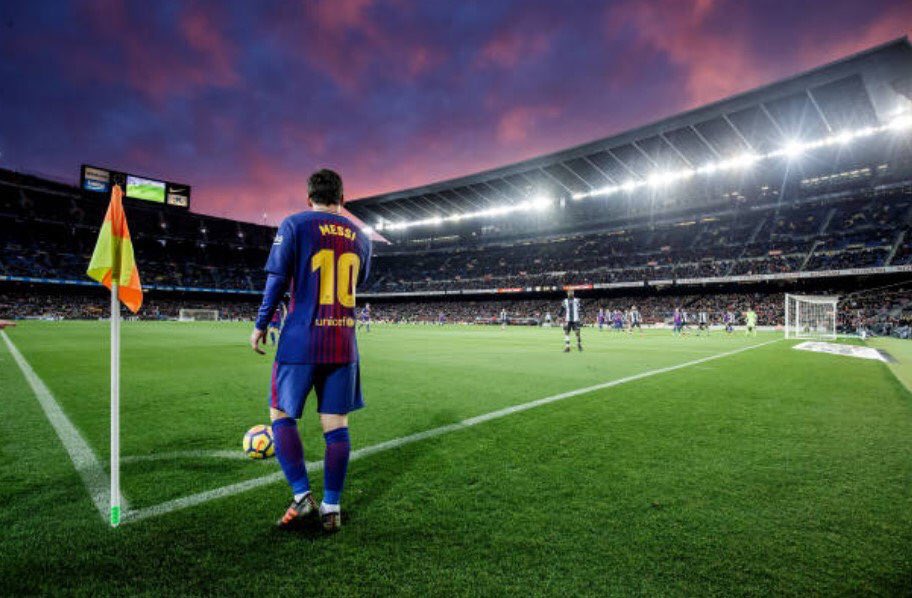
337,386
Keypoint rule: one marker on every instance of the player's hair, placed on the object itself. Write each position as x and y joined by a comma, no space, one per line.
325,187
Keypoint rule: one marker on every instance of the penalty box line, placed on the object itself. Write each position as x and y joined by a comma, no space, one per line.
317,466
93,475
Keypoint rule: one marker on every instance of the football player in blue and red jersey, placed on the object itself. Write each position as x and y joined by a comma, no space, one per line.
318,257
275,324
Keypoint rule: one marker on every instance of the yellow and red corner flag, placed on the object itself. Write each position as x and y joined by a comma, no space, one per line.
112,260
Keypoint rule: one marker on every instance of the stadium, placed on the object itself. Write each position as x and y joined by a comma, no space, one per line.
694,454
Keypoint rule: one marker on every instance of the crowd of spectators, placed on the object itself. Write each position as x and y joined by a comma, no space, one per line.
886,312
849,233
51,233
881,311
70,306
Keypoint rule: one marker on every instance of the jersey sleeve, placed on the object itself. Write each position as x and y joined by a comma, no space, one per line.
281,256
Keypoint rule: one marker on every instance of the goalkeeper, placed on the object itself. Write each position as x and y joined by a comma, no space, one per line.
751,319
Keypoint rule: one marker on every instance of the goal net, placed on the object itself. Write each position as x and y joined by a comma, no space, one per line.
198,315
810,316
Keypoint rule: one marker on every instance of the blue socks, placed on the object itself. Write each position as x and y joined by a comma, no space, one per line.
335,464
290,453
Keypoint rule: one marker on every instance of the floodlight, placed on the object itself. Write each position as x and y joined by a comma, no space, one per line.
901,123
540,203
744,160
793,149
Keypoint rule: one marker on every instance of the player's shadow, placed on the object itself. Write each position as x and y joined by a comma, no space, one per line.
383,469
386,467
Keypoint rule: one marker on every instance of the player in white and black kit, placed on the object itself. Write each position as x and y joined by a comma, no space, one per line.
635,319
703,322
570,311
503,319
547,319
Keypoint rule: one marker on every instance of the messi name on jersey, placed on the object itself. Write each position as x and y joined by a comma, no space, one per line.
338,231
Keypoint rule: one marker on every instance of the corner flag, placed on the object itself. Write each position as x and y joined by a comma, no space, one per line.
112,261
113,266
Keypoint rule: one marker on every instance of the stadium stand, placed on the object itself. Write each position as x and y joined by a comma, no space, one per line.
602,218
887,311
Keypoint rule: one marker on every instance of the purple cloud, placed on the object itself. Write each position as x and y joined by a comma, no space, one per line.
243,100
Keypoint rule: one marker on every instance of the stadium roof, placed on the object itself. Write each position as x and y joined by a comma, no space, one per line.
860,93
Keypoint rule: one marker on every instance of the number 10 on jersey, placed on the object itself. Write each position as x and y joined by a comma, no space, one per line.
337,277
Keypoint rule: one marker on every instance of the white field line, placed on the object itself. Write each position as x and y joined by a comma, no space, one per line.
200,454
84,460
230,490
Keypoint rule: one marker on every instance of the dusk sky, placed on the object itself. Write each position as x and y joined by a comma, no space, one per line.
242,100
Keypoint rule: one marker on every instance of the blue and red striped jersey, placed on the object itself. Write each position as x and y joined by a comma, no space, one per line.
324,257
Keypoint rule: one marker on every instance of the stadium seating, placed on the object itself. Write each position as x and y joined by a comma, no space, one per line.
854,232
50,231
51,235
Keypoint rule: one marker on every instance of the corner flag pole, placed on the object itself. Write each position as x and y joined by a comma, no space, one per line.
114,265
115,406
115,383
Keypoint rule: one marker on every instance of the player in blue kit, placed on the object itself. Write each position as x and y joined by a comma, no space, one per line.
729,321
276,323
319,257
364,319
618,320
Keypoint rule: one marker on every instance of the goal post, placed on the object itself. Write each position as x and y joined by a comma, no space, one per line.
198,315
810,316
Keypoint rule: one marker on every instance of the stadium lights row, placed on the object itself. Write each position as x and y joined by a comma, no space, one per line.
539,204
791,150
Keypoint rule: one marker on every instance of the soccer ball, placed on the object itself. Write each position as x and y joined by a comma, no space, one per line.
258,443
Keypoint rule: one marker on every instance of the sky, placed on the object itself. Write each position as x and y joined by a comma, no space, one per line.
243,100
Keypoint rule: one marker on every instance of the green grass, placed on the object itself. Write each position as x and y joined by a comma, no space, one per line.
768,471
901,352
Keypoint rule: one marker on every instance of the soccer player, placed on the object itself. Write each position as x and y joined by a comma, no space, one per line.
570,311
322,256
548,319
503,318
364,319
601,318
635,319
618,320
441,319
729,321
678,322
751,318
703,322
276,323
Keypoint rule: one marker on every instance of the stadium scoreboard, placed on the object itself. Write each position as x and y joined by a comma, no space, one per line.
101,180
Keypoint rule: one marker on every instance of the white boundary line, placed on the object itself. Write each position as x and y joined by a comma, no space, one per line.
200,454
232,489
93,475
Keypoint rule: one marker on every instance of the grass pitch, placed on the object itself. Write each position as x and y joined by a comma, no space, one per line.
769,470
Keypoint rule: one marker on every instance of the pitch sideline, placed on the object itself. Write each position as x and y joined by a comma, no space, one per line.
314,467
85,462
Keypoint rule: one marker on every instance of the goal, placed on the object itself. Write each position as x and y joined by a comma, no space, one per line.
198,315
810,316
